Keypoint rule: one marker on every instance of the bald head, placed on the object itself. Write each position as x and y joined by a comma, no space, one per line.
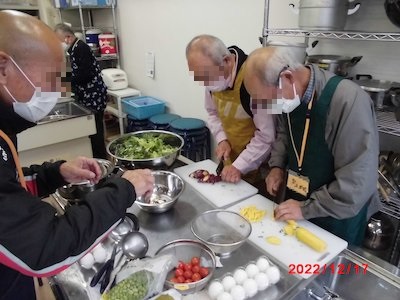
208,46
30,56
26,38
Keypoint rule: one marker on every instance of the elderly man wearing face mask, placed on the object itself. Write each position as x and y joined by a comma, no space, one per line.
244,134
327,139
34,241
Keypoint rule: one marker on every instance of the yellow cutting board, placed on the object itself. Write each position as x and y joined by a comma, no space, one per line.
291,252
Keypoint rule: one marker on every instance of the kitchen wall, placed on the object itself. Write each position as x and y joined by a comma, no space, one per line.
165,27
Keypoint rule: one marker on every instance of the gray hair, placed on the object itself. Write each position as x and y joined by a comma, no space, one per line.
64,28
268,70
210,46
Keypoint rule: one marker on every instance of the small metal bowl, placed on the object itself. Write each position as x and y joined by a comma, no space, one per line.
167,188
222,230
184,250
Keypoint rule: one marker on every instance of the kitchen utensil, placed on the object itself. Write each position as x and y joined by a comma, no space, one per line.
395,189
166,160
379,232
392,8
134,245
105,269
374,87
184,250
219,194
324,15
340,65
298,50
291,250
167,189
221,230
220,167
128,224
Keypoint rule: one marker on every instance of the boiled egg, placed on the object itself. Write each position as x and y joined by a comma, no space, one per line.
240,276
252,270
262,281
228,282
215,289
225,296
262,264
273,274
250,287
99,254
238,293
87,261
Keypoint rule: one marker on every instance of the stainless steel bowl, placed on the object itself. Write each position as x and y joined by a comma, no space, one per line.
167,188
169,138
184,250
222,230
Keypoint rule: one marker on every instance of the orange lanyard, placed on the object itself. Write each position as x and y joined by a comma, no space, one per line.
15,157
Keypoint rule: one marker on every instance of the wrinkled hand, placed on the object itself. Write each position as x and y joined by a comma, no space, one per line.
141,179
223,150
274,180
289,210
231,174
81,169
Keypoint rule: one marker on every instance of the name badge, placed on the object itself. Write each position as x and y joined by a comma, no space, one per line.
297,183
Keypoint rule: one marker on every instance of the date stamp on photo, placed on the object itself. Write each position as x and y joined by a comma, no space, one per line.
338,269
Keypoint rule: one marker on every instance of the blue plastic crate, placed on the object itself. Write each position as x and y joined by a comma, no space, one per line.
142,107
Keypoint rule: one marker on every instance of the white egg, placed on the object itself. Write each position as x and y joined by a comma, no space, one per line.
262,264
262,281
228,282
215,289
225,296
252,270
273,274
250,287
240,276
238,293
99,254
87,261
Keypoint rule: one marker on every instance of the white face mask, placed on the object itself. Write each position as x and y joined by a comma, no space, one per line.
65,46
40,104
289,105
220,85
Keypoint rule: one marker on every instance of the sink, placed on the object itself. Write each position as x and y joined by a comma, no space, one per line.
63,111
373,282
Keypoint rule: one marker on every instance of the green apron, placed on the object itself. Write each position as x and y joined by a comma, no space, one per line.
318,163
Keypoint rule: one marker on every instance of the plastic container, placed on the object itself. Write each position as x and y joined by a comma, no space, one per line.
92,36
108,45
142,107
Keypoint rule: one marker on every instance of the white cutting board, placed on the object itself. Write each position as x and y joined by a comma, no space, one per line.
219,194
290,251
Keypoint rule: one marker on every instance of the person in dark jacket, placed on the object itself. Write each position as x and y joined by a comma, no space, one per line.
34,241
86,83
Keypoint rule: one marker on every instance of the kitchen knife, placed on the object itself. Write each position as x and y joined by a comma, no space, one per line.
220,166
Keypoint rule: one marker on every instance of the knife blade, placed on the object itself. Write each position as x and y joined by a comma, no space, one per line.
220,167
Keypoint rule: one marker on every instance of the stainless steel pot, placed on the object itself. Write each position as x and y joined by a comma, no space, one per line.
324,14
379,232
375,88
340,65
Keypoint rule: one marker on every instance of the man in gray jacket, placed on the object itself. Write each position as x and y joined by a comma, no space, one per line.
327,140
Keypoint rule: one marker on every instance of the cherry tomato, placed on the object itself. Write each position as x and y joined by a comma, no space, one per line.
196,277
179,272
203,272
187,267
195,260
188,274
181,265
188,280
180,279
196,269
174,280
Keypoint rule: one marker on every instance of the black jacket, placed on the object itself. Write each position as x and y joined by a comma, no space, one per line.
33,240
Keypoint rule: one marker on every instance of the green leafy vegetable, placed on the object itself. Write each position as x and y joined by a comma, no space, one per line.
145,146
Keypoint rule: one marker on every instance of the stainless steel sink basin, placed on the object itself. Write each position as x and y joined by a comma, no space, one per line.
63,111
359,280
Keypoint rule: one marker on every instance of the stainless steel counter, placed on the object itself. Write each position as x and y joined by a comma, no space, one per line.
175,224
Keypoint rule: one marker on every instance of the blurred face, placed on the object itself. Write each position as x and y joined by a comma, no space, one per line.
46,73
266,96
204,70
65,37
